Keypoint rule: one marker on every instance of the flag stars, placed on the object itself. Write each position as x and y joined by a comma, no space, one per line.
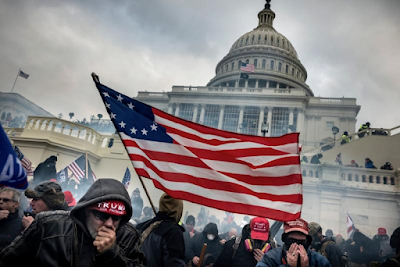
144,131
106,94
153,127
113,116
133,130
131,106
120,98
108,105
122,124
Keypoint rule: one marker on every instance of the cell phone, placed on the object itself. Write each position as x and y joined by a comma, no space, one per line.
27,213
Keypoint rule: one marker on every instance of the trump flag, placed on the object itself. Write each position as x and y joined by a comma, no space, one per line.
232,172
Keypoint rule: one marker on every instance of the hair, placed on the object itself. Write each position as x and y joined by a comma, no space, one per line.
16,194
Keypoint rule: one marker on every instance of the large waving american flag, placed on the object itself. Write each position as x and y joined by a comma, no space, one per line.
224,170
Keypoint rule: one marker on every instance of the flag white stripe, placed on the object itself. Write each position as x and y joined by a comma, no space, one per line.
220,195
261,160
216,176
189,130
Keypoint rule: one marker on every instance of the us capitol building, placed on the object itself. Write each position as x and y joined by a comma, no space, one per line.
273,101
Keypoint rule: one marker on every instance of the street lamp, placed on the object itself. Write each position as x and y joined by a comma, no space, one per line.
264,128
335,130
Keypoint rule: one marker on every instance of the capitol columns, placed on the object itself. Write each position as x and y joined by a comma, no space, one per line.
269,120
170,108
260,120
240,122
195,112
177,109
291,116
300,120
221,116
202,113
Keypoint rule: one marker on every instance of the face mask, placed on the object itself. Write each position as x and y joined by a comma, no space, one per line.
210,237
290,241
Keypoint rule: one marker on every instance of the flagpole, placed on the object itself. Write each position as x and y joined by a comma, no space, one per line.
96,79
87,166
15,80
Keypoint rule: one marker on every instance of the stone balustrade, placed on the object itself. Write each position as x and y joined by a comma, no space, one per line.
350,175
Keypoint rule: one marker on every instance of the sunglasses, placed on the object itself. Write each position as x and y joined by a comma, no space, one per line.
105,216
5,200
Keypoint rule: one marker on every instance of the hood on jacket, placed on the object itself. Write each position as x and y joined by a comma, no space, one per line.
171,206
211,228
100,191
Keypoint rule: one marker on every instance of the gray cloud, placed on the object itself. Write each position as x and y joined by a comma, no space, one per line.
350,48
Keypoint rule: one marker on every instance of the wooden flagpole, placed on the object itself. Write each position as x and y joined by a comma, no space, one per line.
96,79
203,252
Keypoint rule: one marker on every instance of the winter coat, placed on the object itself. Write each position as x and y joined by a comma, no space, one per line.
10,228
332,252
273,258
60,238
214,247
243,258
164,246
45,170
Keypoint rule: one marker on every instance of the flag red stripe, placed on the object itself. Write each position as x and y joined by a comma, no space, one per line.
229,206
208,155
261,181
270,141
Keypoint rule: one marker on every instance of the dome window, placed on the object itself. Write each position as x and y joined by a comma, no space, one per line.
259,38
272,65
266,39
277,41
255,63
280,66
247,61
233,66
240,64
287,69
283,43
247,39
292,71
241,42
272,39
252,39
226,67
264,63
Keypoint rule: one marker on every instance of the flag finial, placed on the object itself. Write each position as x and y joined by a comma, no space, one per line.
268,5
95,78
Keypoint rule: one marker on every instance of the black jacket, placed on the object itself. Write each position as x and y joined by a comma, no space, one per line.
10,228
196,243
333,253
242,258
164,246
45,171
60,238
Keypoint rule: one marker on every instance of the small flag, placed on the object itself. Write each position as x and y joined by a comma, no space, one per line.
23,74
339,158
62,176
26,163
232,172
244,76
78,168
127,179
12,173
247,67
350,226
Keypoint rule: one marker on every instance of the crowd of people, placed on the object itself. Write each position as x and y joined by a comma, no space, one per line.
107,227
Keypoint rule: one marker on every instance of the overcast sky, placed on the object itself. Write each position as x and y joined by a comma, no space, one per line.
349,48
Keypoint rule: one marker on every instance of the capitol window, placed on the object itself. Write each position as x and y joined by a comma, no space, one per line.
329,125
266,38
287,69
259,38
272,65
277,41
292,71
255,63
233,65
240,64
252,39
226,67
272,39
247,39
264,62
280,66
247,61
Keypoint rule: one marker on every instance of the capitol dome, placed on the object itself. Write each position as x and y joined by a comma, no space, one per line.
275,60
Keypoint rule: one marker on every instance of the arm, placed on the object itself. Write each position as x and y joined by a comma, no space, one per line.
22,251
225,258
125,251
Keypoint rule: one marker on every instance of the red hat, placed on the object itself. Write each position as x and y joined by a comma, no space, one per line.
259,228
299,225
113,207
381,231
69,198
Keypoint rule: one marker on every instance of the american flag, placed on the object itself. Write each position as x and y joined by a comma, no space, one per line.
78,168
127,178
247,67
26,163
350,226
23,74
224,170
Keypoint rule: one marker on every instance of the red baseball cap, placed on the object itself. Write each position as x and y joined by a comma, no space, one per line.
381,231
113,207
299,225
69,198
259,228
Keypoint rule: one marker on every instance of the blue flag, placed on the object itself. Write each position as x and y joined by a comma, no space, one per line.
12,173
127,179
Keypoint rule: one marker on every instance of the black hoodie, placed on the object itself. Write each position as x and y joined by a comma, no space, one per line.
60,238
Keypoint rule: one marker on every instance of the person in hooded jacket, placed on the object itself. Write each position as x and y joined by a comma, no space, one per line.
45,170
95,232
208,236
162,237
